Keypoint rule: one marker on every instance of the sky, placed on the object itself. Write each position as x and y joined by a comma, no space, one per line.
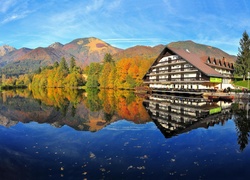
124,23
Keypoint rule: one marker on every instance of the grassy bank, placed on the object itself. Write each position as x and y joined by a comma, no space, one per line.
242,84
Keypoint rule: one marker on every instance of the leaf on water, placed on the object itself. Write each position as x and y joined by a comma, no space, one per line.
141,167
130,167
92,155
102,169
144,157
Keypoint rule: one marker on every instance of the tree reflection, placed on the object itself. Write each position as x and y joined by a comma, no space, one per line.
93,101
83,110
59,98
242,123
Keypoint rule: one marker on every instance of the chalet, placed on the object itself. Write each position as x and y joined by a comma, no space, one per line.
181,69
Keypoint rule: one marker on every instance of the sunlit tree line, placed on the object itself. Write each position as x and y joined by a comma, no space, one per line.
59,75
126,73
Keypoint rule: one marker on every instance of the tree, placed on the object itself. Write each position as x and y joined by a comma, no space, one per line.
72,64
242,65
63,66
108,58
55,65
93,75
3,79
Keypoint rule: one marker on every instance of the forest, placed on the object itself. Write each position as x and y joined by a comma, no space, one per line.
126,73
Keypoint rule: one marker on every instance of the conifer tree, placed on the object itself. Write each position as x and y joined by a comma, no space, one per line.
72,64
63,66
108,58
55,65
242,65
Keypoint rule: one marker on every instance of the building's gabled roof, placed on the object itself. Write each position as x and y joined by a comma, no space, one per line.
196,61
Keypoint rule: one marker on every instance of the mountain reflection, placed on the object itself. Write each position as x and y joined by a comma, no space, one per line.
85,111
175,115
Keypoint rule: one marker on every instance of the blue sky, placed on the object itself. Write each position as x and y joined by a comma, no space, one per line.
124,23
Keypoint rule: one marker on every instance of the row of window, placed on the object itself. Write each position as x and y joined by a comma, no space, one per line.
220,63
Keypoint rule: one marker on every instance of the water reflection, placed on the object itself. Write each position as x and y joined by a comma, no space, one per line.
126,148
86,111
95,109
242,121
175,115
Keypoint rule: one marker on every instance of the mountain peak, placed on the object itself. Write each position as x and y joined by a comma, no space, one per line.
56,45
6,49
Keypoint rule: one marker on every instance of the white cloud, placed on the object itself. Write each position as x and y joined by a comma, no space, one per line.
168,6
15,16
13,10
5,5
114,5
94,6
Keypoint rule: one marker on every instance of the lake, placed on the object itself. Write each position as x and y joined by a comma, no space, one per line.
59,134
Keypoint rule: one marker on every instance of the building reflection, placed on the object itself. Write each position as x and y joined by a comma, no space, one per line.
175,115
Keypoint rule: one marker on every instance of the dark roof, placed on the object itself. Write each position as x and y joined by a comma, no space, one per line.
196,61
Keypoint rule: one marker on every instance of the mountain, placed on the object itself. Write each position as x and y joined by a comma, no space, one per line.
56,45
13,56
5,49
47,56
87,50
145,52
202,50
84,50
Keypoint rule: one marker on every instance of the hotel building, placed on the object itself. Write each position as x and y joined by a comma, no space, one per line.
179,69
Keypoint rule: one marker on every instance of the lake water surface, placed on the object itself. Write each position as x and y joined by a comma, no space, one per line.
55,134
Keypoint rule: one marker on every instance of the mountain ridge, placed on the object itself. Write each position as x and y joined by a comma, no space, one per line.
88,50
202,50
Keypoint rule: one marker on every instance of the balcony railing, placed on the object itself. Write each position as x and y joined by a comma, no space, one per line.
176,80
175,71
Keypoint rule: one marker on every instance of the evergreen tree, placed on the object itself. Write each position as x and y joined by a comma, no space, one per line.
108,58
56,64
63,66
72,64
93,75
242,65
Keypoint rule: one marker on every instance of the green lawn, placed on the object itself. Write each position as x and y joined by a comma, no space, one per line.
242,83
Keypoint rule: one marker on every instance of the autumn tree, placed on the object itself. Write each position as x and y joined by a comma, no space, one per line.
122,67
59,75
242,65
103,79
3,79
106,78
112,77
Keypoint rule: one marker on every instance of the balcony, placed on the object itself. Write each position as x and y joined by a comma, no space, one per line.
174,71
